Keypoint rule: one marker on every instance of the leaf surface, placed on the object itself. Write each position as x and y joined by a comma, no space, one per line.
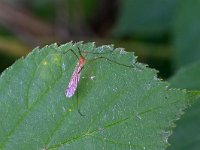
187,77
186,31
144,18
124,107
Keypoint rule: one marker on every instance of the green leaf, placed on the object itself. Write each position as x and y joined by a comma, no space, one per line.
186,30
145,18
124,107
187,77
188,125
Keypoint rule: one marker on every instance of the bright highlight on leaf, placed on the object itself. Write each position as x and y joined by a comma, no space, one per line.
125,108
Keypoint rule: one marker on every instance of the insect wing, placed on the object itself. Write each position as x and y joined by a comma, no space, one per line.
73,82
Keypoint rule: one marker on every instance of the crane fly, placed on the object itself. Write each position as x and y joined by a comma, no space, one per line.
73,83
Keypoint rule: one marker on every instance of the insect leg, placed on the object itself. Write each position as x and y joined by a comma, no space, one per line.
113,61
73,53
78,101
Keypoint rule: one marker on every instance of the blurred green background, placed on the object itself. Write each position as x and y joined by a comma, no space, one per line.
165,34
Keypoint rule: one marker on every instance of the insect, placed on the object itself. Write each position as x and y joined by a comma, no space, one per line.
73,83
75,77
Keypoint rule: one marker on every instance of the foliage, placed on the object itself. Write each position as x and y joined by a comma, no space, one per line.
188,125
164,34
144,18
186,32
124,106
